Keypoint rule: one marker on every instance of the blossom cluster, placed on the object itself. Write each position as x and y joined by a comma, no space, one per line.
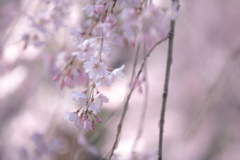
45,21
91,100
109,23
93,41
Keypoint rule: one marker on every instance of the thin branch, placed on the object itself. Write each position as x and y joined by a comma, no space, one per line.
135,63
101,47
213,91
166,82
128,97
142,117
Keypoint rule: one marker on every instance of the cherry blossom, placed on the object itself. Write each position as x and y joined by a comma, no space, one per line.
88,124
92,107
73,117
80,98
117,73
99,99
95,68
106,79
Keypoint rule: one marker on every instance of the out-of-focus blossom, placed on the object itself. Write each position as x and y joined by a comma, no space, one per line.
118,73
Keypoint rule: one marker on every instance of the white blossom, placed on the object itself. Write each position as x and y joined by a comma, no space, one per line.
95,68
80,98
117,73
99,99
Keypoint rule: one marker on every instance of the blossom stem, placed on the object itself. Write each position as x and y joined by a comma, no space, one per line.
125,106
135,64
142,117
166,82
101,48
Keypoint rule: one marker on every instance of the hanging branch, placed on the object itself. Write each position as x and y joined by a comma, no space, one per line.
129,95
166,82
135,63
143,114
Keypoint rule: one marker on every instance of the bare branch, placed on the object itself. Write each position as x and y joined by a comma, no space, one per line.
129,95
166,82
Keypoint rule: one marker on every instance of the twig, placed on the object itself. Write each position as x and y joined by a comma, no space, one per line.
166,82
214,90
101,47
135,63
129,95
142,117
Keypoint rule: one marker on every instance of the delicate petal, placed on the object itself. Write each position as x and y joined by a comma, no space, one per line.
99,99
92,107
87,124
98,119
117,73
72,116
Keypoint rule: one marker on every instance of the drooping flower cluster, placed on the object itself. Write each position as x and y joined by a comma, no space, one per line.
89,107
148,25
46,21
93,43
91,100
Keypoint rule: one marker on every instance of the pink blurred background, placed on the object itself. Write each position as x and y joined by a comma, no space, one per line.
203,108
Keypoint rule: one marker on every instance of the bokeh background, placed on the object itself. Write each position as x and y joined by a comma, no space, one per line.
203,108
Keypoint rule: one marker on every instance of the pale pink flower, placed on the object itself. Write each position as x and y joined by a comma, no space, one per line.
117,73
73,117
87,124
95,68
92,107
99,9
77,35
99,99
70,77
111,18
106,79
130,24
89,10
80,98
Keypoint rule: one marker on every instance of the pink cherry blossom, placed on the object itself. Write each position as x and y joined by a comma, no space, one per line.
99,99
87,124
117,73
111,18
80,98
99,9
77,35
89,10
73,117
92,107
95,68
106,79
